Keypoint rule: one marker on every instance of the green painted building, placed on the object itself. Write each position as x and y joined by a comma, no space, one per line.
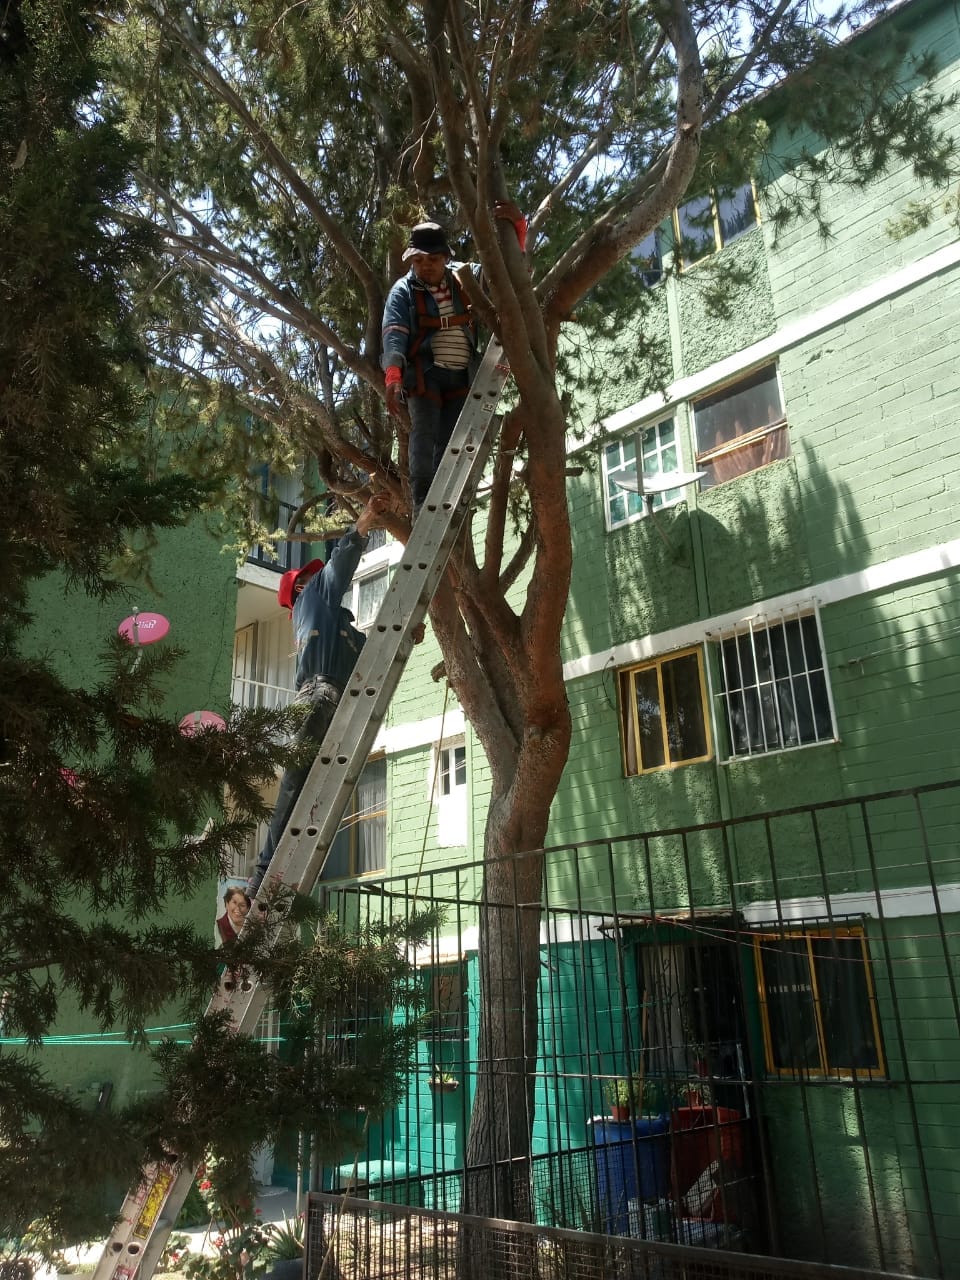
770,625
193,586
763,617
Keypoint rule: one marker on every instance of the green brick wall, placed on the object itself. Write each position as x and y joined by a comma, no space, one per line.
875,1134
196,591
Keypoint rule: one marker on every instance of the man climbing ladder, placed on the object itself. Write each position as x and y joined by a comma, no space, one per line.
327,646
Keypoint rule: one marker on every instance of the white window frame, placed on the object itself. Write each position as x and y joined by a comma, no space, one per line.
264,664
645,439
452,808
721,699
374,564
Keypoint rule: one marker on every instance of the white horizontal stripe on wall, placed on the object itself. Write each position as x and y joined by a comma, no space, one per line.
893,903
879,577
790,335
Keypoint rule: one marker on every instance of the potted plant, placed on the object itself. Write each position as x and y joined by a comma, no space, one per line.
443,1081
695,1092
619,1095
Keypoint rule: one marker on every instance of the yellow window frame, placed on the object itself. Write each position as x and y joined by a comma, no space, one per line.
879,1072
718,242
630,720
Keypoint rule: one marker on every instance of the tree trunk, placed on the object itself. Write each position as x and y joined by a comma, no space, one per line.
497,1165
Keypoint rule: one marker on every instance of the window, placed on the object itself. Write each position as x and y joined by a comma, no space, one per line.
740,427
663,720
263,667
446,1003
817,1003
453,769
278,497
647,259
659,456
365,594
450,762
360,845
774,692
706,223
369,595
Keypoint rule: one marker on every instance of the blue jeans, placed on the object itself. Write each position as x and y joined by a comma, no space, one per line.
432,419
324,696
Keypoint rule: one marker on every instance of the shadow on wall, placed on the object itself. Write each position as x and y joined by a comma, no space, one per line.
760,532
894,682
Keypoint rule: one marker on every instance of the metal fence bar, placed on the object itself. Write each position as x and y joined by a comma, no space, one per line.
363,1240
663,949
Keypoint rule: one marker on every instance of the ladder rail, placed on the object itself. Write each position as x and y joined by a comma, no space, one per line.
149,1211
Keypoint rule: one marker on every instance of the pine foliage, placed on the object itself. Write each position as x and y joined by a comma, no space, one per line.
109,815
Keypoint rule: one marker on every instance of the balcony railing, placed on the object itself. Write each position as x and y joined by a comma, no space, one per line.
257,693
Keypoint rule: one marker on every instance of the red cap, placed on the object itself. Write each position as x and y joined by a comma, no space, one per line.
289,581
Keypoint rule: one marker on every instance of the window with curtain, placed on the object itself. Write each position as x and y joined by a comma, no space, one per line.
264,667
663,713
818,1004
364,595
740,427
360,845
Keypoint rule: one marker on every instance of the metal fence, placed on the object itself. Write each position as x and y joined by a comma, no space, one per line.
356,1240
777,996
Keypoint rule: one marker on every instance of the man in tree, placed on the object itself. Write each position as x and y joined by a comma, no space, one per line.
328,645
430,345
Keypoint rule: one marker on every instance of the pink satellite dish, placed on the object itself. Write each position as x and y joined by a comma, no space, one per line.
197,720
144,628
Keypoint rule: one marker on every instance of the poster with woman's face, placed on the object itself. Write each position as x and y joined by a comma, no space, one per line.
232,907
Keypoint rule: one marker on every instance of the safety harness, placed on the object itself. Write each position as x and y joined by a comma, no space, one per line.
426,323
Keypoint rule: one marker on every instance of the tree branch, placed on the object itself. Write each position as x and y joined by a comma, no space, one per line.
604,246
331,229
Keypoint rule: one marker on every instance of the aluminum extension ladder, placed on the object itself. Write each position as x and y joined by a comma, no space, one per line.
150,1209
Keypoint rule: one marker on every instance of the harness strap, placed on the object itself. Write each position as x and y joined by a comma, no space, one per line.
427,323
440,397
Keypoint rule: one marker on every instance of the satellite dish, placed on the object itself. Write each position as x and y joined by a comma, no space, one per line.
197,720
143,628
650,486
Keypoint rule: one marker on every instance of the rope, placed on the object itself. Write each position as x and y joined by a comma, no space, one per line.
433,792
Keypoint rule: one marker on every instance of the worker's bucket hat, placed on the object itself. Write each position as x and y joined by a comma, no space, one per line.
285,594
427,237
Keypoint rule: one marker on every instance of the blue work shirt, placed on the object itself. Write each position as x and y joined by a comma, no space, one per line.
328,643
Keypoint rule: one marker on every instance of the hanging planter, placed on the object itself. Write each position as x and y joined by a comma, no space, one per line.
444,1082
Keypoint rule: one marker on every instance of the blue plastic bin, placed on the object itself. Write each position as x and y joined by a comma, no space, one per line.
633,1163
